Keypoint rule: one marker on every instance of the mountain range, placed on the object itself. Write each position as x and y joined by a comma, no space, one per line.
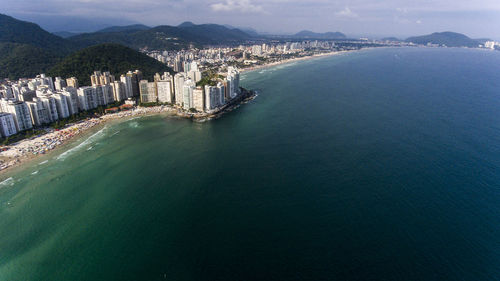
26,49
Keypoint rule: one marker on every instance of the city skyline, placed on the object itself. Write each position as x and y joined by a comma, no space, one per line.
355,18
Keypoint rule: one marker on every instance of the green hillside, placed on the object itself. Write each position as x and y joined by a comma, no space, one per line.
22,32
23,60
114,58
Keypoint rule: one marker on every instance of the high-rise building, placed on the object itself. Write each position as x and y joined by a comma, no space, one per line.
39,114
179,79
59,83
135,76
212,98
233,79
119,92
127,82
71,99
7,125
20,111
221,91
148,91
164,91
87,98
199,99
107,91
187,94
49,102
61,105
101,78
72,82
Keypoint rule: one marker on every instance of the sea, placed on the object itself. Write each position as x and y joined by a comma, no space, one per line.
380,164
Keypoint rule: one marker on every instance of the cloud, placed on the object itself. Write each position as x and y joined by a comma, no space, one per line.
418,21
347,13
244,6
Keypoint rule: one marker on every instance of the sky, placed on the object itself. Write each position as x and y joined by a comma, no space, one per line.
371,18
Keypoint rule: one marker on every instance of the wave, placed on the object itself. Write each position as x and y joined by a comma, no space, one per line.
44,162
35,172
88,141
7,182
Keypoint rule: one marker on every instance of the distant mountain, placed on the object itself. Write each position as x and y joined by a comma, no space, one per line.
114,58
186,24
72,23
306,34
166,37
22,32
65,34
23,60
248,30
127,28
450,39
26,49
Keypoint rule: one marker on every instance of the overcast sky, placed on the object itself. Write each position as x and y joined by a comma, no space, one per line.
476,18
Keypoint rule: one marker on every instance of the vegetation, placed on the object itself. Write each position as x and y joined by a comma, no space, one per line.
209,78
114,58
450,39
22,32
23,60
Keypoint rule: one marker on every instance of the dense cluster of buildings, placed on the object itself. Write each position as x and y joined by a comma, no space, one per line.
181,90
181,61
40,101
29,103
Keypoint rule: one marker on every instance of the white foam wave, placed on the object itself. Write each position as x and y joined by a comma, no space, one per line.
35,172
88,141
7,182
44,162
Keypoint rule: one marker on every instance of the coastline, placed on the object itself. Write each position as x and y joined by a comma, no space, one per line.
28,150
277,63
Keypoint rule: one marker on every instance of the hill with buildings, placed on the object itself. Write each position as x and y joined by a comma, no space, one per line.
306,34
114,58
165,37
449,39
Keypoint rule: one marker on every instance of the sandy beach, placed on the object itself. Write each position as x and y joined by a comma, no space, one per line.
256,67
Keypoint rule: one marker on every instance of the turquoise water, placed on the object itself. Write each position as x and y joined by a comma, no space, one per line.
377,165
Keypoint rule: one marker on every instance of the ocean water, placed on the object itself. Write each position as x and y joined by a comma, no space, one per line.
376,165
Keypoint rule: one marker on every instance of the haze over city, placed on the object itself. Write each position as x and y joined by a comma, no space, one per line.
477,19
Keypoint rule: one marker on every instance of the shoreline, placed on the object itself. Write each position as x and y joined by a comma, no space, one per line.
28,150
277,63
